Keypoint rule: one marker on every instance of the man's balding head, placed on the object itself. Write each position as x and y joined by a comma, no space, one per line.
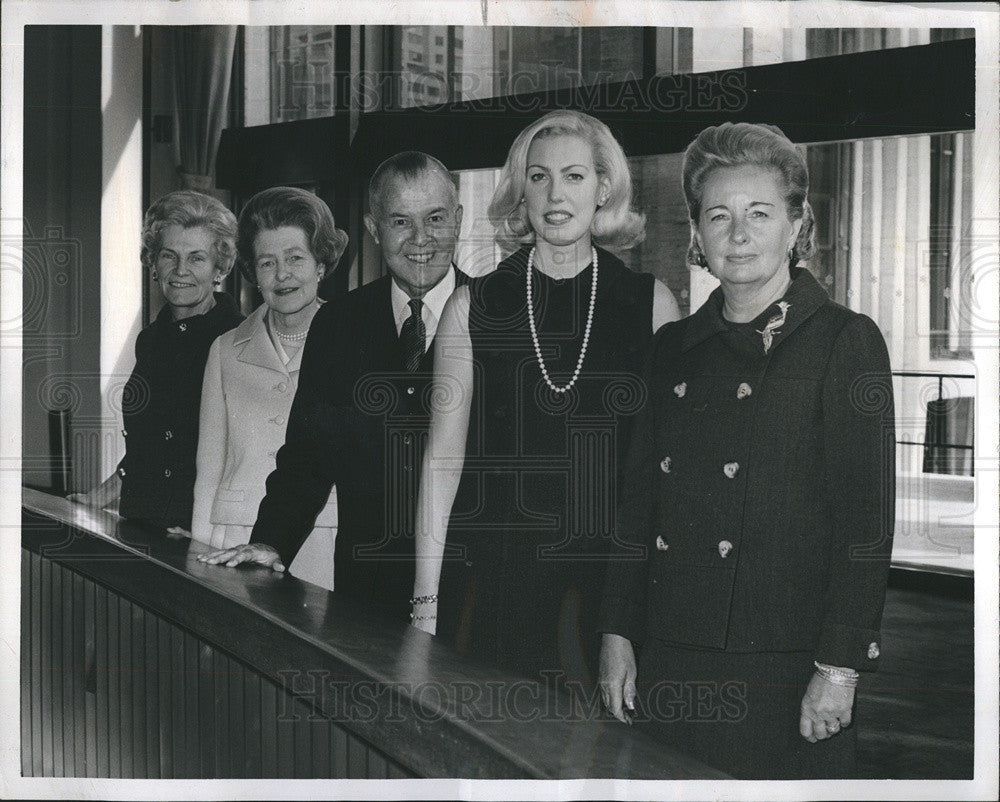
408,165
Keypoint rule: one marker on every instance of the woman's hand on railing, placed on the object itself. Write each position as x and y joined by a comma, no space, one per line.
86,499
256,553
105,493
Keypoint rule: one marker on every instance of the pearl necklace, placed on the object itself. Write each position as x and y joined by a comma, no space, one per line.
288,338
292,338
586,331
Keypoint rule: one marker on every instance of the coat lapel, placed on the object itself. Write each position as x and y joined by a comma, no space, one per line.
375,328
803,297
253,345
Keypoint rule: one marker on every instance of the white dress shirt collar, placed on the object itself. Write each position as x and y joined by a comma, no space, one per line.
434,301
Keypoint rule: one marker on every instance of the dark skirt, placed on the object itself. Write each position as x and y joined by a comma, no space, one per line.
737,712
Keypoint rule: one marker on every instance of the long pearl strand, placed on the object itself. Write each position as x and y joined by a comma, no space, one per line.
586,331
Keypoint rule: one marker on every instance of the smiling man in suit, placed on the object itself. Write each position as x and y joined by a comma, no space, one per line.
360,417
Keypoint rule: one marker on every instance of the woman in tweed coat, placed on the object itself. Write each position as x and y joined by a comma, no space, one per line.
760,488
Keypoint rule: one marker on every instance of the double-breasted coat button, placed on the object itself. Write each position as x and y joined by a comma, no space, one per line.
279,420
661,544
167,435
680,389
121,472
724,548
411,390
665,465
873,651
281,387
730,469
743,390
183,327
166,473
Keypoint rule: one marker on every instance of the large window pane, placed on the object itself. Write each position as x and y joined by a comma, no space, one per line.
611,54
478,62
438,64
301,72
422,59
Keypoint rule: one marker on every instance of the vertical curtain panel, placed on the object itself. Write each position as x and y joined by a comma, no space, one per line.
202,70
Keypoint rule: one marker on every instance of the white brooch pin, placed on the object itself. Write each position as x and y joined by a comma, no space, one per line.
770,329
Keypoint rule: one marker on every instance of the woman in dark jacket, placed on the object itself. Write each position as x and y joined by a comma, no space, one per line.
189,245
760,482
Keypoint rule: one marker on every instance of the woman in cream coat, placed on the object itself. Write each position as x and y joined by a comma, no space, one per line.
287,243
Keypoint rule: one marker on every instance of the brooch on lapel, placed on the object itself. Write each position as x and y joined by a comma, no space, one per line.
770,329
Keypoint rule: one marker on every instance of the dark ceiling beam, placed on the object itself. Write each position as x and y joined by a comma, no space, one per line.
924,89
896,92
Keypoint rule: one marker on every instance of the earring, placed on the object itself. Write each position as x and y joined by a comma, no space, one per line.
217,282
696,255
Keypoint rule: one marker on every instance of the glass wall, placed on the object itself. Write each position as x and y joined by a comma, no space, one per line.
429,65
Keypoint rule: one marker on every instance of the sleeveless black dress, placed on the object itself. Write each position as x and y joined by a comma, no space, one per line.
531,532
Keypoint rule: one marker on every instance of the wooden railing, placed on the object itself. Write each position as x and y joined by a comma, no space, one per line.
139,661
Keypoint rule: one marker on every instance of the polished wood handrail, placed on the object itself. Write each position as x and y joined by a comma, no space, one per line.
287,629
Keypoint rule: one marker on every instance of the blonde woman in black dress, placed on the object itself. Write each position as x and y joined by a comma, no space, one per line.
537,370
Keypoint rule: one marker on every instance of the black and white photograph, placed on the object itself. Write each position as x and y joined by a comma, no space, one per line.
539,399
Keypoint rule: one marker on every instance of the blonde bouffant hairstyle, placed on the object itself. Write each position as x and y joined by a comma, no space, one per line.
616,224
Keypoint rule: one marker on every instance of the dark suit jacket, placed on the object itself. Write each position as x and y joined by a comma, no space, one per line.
359,420
761,485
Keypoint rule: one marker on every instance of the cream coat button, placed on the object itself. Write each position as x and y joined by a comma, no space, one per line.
731,469
661,544
279,420
724,548
665,465
680,389
743,390
282,387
